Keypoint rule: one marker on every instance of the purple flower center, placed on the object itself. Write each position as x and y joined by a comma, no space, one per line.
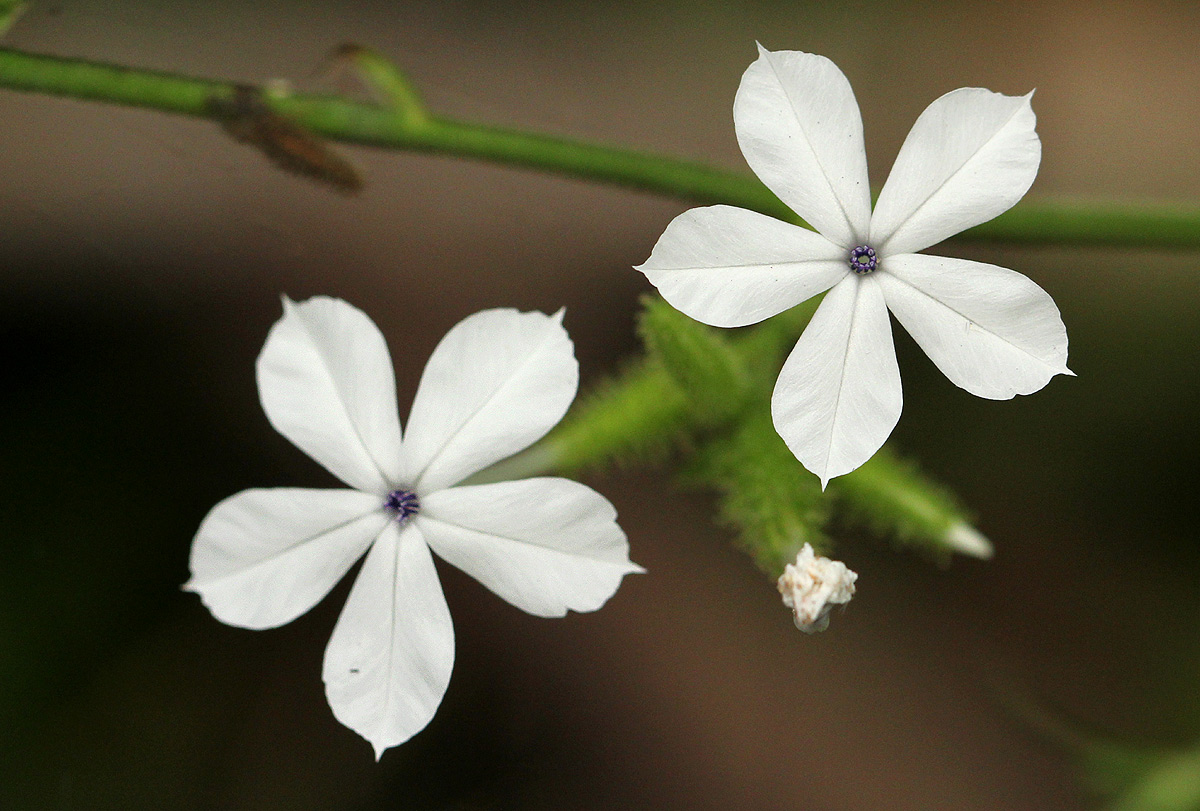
403,503
862,259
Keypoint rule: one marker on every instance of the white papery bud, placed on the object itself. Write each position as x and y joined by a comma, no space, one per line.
812,586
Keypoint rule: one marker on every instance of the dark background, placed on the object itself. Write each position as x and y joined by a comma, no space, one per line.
141,261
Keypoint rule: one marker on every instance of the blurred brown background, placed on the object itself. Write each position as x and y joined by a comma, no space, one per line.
141,260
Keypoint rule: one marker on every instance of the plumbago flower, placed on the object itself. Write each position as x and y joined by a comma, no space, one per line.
971,155
495,384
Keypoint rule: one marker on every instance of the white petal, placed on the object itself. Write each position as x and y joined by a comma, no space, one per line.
989,329
545,545
262,558
799,127
389,660
730,267
326,383
495,384
838,396
971,155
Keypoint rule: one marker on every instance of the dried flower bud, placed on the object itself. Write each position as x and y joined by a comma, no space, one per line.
812,586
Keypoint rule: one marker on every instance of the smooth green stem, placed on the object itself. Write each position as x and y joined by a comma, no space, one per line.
1031,223
114,84
381,126
1166,226
350,122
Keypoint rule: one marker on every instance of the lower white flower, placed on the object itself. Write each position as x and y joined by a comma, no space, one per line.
496,383
812,586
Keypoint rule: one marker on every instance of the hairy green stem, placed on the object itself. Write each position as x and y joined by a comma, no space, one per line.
395,126
720,417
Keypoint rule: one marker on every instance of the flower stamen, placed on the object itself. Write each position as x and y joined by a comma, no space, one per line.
862,259
403,503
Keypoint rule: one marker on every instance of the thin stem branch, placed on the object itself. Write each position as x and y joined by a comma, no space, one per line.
396,127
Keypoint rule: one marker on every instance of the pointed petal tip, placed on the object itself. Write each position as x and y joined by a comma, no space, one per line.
965,539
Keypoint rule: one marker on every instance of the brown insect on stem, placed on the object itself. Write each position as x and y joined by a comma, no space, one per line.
247,117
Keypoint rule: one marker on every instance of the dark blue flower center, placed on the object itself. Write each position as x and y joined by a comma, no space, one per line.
403,503
862,259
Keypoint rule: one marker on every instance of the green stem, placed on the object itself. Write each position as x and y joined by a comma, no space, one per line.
392,127
381,126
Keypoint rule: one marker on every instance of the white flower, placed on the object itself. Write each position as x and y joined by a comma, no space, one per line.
971,155
812,586
496,383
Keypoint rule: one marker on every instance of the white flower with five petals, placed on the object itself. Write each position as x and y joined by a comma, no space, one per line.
970,156
496,383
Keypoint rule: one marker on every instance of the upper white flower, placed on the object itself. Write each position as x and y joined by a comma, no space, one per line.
496,383
971,155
